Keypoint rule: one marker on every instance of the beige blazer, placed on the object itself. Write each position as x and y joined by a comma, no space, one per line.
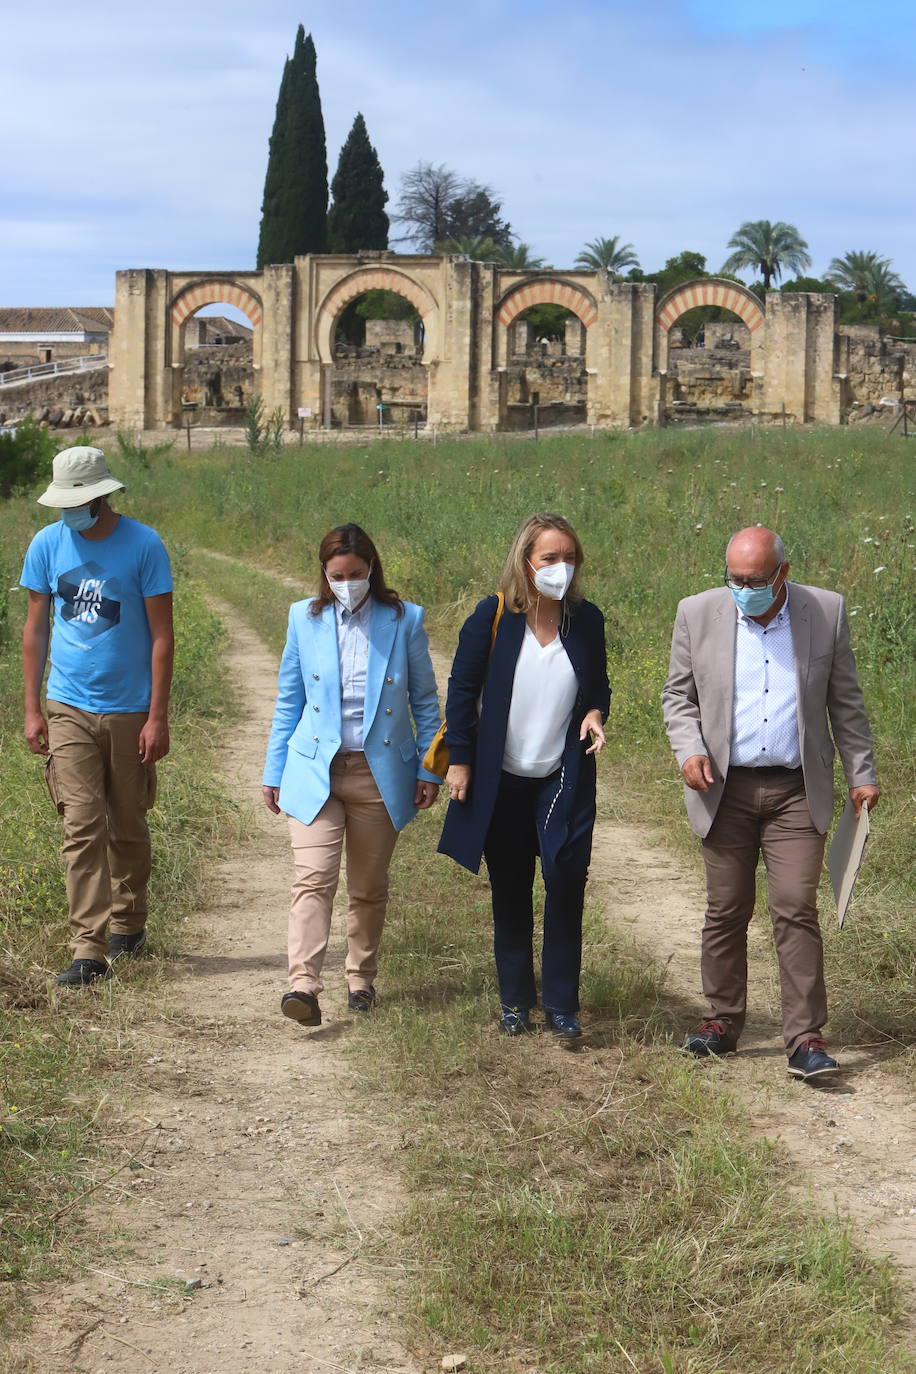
698,696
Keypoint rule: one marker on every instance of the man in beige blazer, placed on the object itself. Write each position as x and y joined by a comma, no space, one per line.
758,667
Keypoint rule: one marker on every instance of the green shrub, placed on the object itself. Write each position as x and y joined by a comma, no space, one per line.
24,456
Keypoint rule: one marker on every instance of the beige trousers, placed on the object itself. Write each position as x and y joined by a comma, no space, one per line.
764,811
103,791
354,810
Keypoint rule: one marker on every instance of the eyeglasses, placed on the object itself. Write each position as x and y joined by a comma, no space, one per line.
756,584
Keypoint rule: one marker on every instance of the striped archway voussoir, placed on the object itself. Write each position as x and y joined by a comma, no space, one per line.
551,292
377,279
191,298
710,291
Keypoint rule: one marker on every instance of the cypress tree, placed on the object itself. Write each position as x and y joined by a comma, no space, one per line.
272,214
357,219
295,206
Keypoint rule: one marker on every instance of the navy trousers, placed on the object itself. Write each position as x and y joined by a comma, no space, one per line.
515,839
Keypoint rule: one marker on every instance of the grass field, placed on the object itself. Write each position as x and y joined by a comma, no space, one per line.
574,1213
654,512
59,1053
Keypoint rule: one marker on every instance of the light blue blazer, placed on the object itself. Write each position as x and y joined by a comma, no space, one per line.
306,729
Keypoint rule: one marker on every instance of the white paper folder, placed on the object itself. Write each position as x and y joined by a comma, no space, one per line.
845,857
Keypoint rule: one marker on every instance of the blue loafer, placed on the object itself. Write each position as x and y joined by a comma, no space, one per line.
564,1025
514,1022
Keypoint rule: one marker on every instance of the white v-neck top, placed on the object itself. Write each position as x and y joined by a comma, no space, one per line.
543,695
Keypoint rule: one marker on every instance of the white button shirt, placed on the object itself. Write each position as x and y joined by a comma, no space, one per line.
353,652
764,713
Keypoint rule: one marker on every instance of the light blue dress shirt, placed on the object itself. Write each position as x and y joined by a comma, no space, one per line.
353,651
764,713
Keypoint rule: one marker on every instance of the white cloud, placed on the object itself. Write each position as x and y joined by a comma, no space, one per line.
144,130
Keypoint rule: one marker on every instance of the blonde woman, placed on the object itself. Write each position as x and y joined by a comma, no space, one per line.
525,722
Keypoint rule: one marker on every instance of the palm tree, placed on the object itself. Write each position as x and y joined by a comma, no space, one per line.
608,255
475,247
868,275
768,248
518,256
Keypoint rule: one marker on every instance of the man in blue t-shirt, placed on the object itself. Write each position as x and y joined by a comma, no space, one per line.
106,721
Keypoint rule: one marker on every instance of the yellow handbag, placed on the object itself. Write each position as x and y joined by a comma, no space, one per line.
435,760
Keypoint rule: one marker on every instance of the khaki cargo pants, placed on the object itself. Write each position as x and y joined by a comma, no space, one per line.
103,791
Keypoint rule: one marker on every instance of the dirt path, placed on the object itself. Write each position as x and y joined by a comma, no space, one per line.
265,1186
851,1142
255,1234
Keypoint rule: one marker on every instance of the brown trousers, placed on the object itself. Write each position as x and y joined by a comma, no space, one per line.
354,810
764,811
103,792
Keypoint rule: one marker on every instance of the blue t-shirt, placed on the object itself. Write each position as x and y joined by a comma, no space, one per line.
100,639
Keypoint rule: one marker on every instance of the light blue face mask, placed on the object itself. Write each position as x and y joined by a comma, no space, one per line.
78,518
753,600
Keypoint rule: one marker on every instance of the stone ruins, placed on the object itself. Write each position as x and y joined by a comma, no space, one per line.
468,355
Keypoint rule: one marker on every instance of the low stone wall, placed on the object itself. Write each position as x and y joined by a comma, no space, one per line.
557,380
548,416
219,377
875,368
712,381
396,381
70,398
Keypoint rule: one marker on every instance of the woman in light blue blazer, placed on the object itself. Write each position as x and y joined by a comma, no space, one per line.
343,760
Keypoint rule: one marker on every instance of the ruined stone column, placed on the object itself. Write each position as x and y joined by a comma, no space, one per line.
574,340
625,388
449,405
277,342
140,382
800,361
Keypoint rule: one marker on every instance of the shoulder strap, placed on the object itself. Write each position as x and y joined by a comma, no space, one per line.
500,607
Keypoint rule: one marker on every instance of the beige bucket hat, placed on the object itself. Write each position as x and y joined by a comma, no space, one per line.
80,475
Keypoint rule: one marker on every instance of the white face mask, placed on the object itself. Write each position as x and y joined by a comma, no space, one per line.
351,594
554,579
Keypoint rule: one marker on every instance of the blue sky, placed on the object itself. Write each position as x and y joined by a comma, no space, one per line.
137,136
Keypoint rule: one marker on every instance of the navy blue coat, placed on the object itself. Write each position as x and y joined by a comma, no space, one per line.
480,740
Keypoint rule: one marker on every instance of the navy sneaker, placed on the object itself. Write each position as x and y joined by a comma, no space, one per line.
811,1060
119,945
710,1037
514,1022
565,1026
302,1007
82,972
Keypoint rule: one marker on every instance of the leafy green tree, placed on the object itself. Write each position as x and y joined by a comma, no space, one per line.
548,321
685,266
608,255
385,305
869,277
519,257
475,214
515,255
472,246
295,206
819,285
357,219
436,204
768,248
